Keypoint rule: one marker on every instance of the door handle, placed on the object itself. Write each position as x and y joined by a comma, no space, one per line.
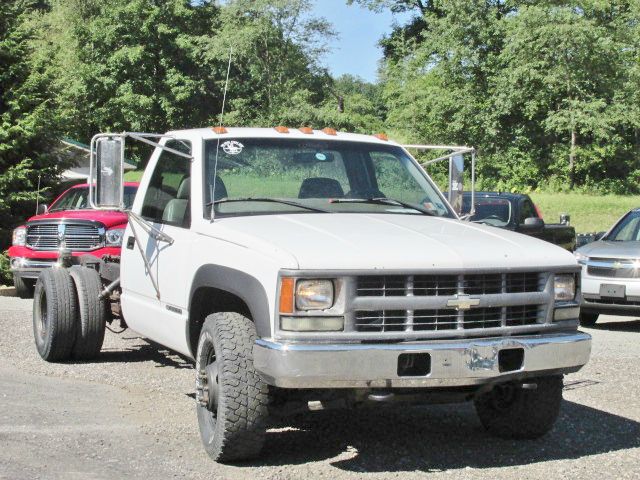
130,242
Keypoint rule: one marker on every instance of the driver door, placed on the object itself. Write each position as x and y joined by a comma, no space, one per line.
160,314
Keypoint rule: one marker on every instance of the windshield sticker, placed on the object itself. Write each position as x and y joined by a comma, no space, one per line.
232,147
321,156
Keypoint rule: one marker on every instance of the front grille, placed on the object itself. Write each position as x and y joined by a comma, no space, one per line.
613,301
613,268
381,321
401,288
77,236
439,285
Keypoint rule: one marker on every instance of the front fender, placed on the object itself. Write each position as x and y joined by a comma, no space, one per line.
240,284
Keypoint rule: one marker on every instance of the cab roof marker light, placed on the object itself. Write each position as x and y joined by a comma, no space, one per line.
281,129
219,130
306,130
382,136
329,131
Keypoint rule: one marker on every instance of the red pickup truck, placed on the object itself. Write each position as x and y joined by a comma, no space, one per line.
69,223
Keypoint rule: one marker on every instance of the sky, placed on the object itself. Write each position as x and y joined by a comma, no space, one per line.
356,51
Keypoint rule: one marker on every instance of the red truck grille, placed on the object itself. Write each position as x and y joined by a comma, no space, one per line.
77,236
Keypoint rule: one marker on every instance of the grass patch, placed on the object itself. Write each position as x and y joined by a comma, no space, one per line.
133,175
589,213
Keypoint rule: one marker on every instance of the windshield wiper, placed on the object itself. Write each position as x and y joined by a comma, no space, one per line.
272,200
383,201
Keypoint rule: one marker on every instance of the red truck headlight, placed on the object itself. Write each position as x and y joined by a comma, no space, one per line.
19,237
114,237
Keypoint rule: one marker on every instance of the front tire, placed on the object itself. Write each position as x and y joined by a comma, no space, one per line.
24,288
510,411
232,399
54,314
588,319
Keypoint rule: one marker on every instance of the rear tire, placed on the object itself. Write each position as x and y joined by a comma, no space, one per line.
24,288
92,311
232,399
509,411
588,319
54,314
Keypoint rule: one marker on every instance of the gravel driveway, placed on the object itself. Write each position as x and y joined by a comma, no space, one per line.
131,414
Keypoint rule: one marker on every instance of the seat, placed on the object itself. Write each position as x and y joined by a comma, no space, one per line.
177,210
220,189
320,187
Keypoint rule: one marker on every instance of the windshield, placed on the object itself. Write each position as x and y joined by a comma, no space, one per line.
492,211
627,230
258,176
78,199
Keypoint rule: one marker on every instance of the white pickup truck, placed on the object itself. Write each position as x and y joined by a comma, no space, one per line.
314,269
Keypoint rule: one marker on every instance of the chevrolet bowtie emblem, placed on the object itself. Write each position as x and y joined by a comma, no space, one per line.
463,302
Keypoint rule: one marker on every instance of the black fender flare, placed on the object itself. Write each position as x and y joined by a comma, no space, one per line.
240,284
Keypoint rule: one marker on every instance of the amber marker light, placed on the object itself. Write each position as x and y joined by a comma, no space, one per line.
329,131
281,129
286,295
306,130
219,130
382,136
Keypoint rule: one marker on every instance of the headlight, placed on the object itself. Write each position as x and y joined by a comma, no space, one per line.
312,324
314,294
19,237
565,287
114,237
581,258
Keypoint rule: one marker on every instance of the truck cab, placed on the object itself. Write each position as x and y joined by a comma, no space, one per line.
315,268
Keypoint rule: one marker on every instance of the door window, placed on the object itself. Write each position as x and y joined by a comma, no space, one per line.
168,197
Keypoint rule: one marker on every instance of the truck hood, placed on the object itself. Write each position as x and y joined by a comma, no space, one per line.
390,242
607,249
108,218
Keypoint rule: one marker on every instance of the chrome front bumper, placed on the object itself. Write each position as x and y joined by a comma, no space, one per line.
28,268
452,363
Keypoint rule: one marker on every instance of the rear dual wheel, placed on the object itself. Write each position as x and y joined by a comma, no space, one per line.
68,316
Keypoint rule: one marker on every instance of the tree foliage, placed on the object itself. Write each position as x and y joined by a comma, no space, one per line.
547,90
28,125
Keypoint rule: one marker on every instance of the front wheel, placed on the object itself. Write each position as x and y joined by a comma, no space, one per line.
588,319
231,397
511,411
24,288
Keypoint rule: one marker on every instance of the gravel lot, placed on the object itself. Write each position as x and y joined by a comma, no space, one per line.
131,414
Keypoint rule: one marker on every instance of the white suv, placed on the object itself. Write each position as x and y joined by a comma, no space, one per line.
611,271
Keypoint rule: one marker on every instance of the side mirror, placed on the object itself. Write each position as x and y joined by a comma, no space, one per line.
532,225
599,235
456,182
107,171
42,209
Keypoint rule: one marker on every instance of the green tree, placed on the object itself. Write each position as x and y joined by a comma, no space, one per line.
28,126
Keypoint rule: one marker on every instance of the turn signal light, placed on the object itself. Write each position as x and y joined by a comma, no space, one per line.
281,129
381,136
329,131
286,295
219,130
306,130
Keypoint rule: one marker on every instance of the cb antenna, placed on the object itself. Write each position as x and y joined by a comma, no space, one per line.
215,163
